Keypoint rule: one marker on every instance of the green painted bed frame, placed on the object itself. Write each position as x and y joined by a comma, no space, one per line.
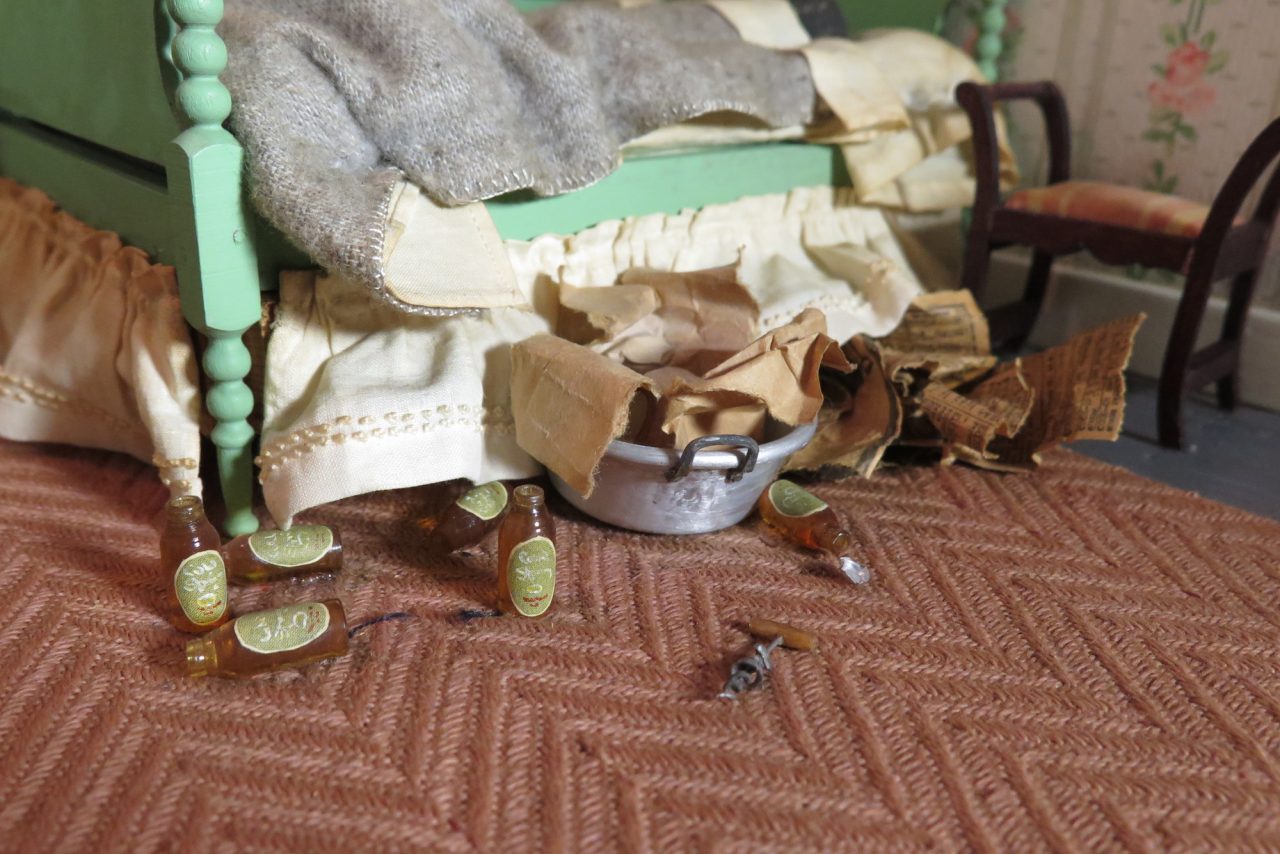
114,108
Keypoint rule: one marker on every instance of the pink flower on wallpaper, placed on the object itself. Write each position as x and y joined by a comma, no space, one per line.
1183,89
1188,100
1186,64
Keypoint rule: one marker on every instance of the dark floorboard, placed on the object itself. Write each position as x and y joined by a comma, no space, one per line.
1232,457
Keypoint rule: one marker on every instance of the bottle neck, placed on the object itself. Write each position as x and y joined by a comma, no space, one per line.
184,512
833,540
202,657
528,498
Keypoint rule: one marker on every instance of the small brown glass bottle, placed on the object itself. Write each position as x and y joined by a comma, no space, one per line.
191,564
468,520
267,555
806,520
527,555
263,641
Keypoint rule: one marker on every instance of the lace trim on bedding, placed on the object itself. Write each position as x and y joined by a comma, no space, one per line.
345,428
177,474
24,390
827,303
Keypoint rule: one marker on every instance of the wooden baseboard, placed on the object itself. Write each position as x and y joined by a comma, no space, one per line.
1080,298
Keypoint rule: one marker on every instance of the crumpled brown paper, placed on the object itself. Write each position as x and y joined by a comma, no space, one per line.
776,375
860,418
569,401
933,383
652,318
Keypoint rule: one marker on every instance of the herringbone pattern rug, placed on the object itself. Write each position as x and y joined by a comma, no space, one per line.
1076,659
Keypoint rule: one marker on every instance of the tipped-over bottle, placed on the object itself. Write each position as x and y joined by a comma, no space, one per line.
191,564
468,520
292,636
267,555
527,555
807,520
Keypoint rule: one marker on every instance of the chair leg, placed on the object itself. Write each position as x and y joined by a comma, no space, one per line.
230,401
1032,299
1228,389
1242,288
977,259
1169,407
1177,357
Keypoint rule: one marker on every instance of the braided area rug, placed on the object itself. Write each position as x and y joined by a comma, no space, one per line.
1075,659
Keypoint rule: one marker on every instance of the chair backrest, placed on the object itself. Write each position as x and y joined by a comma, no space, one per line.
1260,156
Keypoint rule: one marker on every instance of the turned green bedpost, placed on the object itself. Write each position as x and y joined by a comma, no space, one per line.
990,43
215,257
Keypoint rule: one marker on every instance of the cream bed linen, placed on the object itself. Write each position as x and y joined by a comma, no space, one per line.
360,397
887,102
889,98
93,348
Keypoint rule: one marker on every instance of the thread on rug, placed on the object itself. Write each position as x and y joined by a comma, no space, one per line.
395,615
469,614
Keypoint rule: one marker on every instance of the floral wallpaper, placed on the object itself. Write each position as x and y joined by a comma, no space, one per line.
1164,94
1183,91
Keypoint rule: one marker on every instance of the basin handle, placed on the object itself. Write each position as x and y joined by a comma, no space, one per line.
748,463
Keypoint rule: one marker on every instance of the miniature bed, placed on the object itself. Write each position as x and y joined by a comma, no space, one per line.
115,111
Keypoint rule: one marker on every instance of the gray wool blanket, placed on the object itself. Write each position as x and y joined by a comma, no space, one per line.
337,100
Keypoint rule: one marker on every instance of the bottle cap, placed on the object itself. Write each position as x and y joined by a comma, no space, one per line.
854,571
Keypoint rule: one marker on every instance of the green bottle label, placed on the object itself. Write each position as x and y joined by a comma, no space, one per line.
282,629
791,500
531,576
298,546
201,586
486,500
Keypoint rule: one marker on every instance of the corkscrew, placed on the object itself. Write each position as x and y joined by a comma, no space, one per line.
748,674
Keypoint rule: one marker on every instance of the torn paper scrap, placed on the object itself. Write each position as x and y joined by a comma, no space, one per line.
943,337
942,322
971,422
1078,390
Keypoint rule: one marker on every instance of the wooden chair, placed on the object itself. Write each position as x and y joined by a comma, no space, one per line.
1121,225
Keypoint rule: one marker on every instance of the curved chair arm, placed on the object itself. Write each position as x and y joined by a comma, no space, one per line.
978,101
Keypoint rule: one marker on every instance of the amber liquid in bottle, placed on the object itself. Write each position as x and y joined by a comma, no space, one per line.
192,567
292,636
806,520
527,555
803,518
267,555
468,520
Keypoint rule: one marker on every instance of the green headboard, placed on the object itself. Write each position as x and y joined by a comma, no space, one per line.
90,68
